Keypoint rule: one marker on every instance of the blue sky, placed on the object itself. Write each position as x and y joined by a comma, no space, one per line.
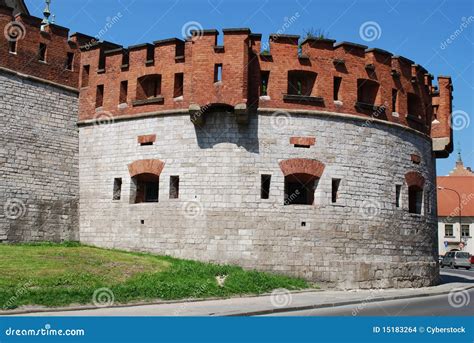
415,29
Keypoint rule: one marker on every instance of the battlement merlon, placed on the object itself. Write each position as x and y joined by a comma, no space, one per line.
441,130
44,52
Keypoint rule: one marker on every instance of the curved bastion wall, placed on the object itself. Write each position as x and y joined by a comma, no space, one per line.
362,240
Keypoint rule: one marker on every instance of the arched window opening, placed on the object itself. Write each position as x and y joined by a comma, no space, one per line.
299,189
145,188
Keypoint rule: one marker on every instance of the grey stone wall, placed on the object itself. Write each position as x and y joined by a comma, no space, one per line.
39,166
361,241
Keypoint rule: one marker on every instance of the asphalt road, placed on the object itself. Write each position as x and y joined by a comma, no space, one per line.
424,306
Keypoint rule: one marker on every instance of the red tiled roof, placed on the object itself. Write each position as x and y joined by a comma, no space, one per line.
448,201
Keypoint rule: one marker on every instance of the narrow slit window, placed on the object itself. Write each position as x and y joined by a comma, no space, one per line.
12,47
102,60
174,187
99,97
218,72
123,92
85,75
394,100
265,186
117,189
337,87
42,52
305,146
70,61
265,75
125,58
398,194
335,190
178,84
150,54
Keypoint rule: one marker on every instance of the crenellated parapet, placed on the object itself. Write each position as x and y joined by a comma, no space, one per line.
315,75
46,54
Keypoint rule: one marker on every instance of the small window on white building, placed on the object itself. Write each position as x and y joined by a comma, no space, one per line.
448,230
465,231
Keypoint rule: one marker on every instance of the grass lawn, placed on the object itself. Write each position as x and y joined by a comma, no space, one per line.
62,274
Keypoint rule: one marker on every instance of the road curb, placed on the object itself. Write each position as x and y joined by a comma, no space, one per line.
341,303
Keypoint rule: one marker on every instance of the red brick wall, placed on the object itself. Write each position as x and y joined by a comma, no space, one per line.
26,58
242,65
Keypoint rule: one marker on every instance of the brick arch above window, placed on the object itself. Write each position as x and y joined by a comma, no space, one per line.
414,178
302,166
154,167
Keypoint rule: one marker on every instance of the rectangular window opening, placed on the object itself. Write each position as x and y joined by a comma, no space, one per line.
398,194
302,146
218,72
174,187
99,96
367,91
123,92
12,47
102,61
264,77
394,100
178,84
337,87
125,58
70,61
415,199
265,186
117,188
335,190
448,230
150,54
85,75
465,231
42,52
301,82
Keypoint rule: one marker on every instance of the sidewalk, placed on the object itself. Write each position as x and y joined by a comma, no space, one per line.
247,306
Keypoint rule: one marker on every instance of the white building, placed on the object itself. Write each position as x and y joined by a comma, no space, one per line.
456,210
